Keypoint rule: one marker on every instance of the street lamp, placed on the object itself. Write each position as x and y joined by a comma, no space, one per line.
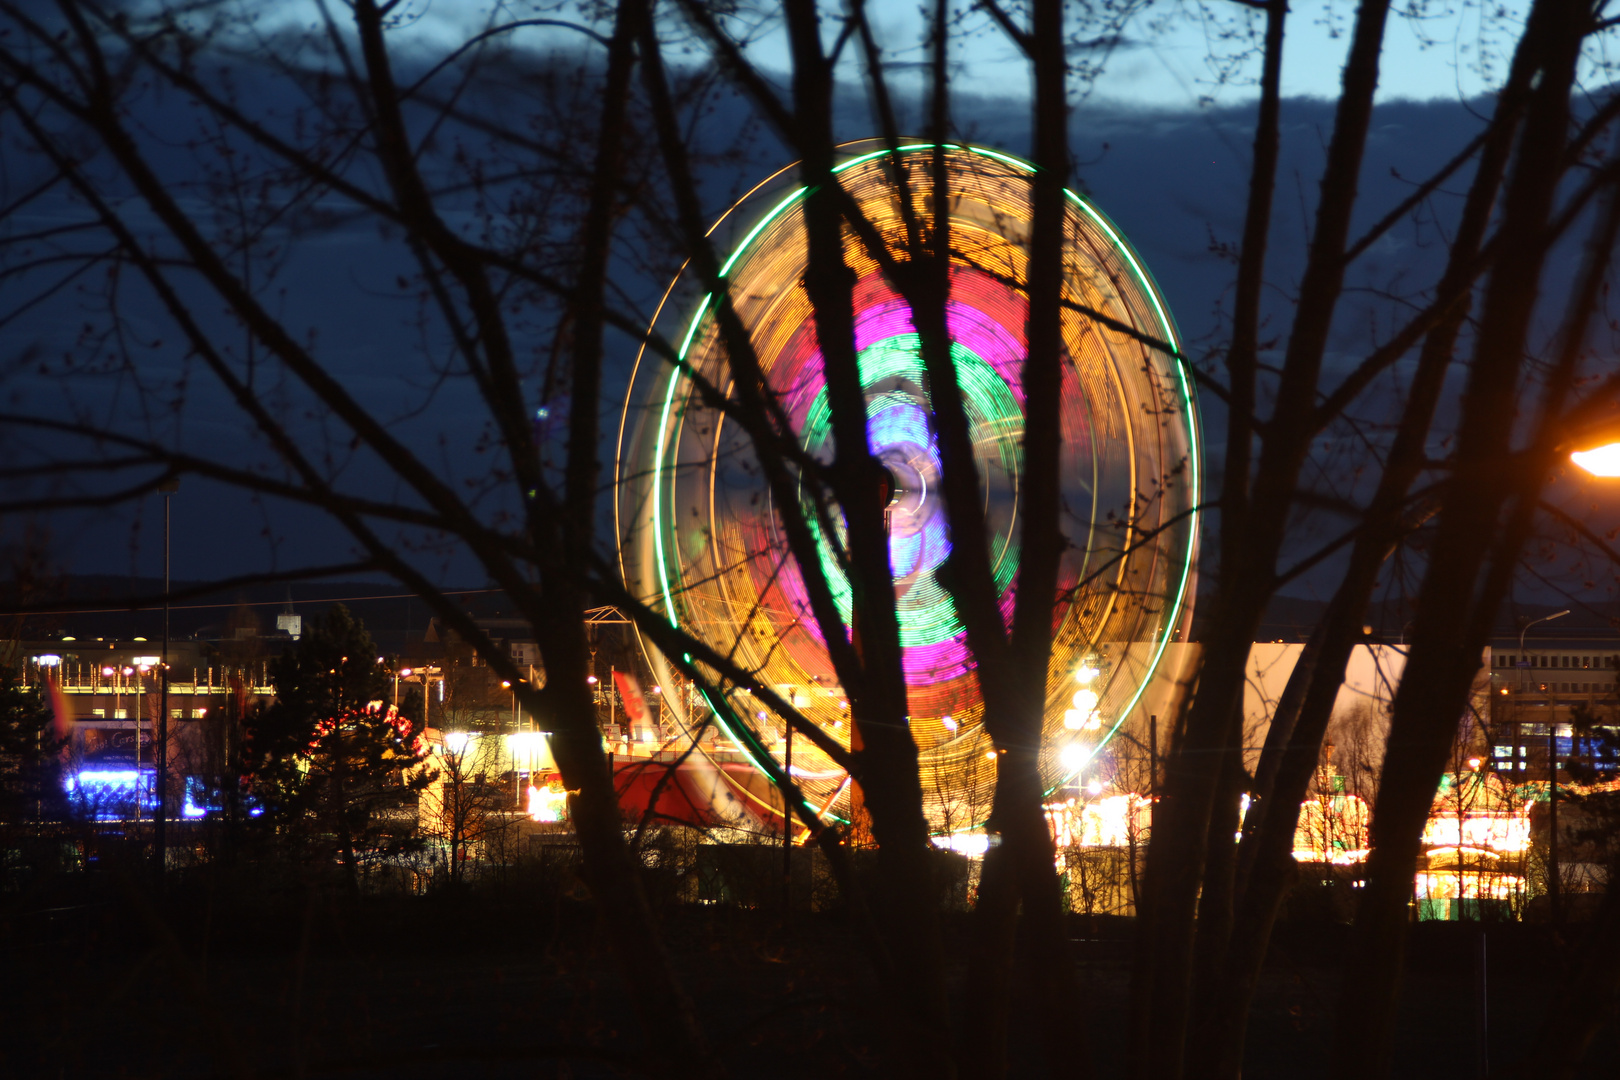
1532,622
1595,447
160,838
1601,461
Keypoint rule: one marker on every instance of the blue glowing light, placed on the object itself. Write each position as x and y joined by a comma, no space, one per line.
112,794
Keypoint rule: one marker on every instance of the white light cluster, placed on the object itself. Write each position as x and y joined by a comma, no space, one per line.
1074,755
1084,715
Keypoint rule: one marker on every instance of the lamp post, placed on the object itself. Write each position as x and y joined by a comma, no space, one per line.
1552,780
787,824
517,778
160,836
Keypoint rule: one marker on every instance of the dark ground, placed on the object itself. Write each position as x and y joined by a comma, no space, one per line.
287,984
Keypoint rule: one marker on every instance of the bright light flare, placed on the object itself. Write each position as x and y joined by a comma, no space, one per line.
530,750
457,741
1074,755
1599,461
547,804
1083,717
973,845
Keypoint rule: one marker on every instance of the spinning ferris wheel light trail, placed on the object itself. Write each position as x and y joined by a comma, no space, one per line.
701,539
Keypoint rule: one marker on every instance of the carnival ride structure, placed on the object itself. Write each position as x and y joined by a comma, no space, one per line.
701,541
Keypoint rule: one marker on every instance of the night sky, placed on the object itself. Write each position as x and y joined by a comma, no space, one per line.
1168,167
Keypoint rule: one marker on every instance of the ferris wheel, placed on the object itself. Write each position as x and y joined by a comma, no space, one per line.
700,539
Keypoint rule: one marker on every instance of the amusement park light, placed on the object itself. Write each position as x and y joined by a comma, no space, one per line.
406,672
529,749
658,689
591,679
546,805
109,672
1094,788
1074,755
1086,674
947,723
1083,716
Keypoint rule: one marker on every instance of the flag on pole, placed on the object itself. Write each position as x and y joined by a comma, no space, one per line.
635,706
61,709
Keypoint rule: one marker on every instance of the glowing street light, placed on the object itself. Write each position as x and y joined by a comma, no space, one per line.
1601,461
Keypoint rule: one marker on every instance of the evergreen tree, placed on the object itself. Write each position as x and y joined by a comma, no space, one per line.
30,769
334,767
30,750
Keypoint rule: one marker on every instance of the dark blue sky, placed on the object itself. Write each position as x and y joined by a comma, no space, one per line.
1172,178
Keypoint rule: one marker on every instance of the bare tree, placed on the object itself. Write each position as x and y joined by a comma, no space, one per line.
502,227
